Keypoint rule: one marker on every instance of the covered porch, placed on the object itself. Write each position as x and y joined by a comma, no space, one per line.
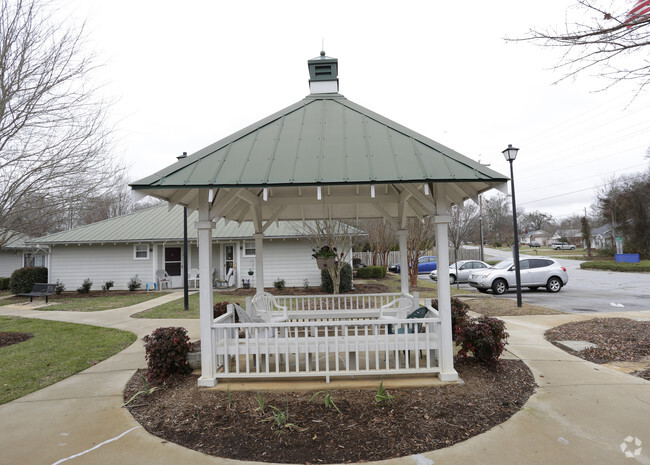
324,158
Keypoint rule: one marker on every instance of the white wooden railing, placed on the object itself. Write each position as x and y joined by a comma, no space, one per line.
330,305
325,348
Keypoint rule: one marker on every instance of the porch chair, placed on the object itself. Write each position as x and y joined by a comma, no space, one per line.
252,333
163,278
193,276
401,306
267,307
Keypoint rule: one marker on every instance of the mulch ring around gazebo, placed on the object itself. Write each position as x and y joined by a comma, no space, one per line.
293,427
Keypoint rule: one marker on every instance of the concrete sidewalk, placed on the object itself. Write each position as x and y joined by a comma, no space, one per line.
581,413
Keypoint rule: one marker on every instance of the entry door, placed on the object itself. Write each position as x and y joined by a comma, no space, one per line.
174,265
229,260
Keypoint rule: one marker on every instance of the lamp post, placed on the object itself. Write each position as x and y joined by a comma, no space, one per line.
510,154
186,299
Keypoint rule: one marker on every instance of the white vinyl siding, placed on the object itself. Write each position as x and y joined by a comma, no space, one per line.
9,261
290,260
72,264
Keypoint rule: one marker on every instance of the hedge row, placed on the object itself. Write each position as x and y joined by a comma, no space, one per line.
644,265
371,272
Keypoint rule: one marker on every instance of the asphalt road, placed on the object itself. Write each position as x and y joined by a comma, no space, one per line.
587,291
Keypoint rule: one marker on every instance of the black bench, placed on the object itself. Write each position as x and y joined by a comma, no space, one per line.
40,290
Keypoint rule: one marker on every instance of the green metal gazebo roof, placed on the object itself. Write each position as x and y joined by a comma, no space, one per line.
323,139
322,157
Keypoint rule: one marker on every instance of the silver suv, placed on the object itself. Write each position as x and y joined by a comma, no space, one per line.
535,273
563,246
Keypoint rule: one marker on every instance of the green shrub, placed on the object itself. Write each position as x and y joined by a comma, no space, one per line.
85,287
107,286
60,287
279,284
371,272
642,266
134,283
458,314
345,285
23,279
4,284
485,337
166,352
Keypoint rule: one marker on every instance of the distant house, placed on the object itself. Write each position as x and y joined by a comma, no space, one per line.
16,253
573,236
540,236
601,238
148,240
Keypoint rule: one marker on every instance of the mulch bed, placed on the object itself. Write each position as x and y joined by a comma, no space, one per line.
232,425
7,339
618,340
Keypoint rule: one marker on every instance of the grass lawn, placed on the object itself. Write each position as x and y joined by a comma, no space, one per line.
175,309
56,351
491,306
87,304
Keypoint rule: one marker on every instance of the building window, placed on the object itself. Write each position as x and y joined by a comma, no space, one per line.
33,259
249,249
141,252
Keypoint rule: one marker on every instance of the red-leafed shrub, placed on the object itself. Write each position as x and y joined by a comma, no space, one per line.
166,353
458,314
485,337
219,308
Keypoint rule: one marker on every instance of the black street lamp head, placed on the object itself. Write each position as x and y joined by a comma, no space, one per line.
510,153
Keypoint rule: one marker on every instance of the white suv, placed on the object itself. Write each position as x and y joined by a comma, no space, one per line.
563,246
535,273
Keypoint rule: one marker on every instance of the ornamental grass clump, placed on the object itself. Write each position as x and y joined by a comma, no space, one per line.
166,353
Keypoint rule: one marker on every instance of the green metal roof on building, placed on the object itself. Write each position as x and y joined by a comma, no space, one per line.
16,240
323,139
160,224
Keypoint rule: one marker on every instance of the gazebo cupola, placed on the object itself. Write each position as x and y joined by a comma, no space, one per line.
323,75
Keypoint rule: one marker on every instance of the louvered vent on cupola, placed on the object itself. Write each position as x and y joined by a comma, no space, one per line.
323,75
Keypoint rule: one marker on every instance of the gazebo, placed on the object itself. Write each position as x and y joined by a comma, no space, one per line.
323,157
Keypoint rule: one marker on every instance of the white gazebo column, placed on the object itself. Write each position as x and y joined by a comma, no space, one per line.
259,262
402,234
442,220
204,229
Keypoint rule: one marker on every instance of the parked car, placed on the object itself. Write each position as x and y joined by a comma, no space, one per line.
393,268
464,267
534,272
425,264
563,246
534,244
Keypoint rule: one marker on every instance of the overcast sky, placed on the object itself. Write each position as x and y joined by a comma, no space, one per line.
186,74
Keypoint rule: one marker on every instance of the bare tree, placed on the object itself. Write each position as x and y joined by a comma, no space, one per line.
53,136
535,221
334,234
496,211
464,221
421,234
381,237
608,39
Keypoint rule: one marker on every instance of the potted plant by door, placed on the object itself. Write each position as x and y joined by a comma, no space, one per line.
325,257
